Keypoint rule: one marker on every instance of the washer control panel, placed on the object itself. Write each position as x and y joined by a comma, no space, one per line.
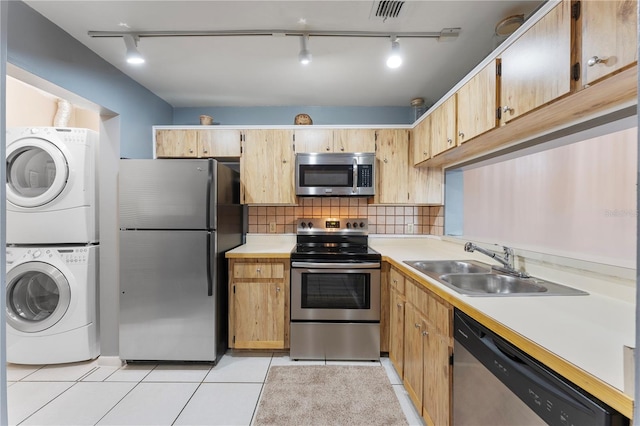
71,256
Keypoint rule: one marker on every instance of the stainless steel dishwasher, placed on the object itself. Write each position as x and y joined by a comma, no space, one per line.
494,383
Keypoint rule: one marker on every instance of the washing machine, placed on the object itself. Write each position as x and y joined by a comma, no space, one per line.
52,304
51,185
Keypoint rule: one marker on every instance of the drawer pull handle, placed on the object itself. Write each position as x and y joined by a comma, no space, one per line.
425,333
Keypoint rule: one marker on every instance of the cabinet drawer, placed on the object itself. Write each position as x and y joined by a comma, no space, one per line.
258,270
396,280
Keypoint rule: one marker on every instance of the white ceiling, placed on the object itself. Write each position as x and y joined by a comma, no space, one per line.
264,71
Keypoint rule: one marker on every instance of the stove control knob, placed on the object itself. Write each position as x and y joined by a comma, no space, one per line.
348,225
310,225
303,225
361,224
355,225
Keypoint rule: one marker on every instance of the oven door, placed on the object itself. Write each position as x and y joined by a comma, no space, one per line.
348,292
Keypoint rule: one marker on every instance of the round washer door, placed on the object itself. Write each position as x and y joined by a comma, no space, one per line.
37,172
38,296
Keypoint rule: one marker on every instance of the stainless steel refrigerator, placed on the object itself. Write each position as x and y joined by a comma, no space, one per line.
177,219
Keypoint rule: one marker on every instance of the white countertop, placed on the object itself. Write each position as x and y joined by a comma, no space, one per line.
586,331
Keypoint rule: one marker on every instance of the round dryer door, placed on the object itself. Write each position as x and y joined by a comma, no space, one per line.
37,172
38,295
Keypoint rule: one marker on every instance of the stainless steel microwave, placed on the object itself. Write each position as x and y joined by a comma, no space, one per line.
336,174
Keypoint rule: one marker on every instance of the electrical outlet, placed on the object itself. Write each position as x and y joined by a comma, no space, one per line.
272,227
409,228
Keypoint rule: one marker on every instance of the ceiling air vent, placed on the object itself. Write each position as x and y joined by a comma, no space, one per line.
388,9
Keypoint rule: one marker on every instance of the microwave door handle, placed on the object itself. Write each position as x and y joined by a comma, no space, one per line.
355,175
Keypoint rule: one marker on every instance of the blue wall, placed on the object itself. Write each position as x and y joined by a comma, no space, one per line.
38,46
284,115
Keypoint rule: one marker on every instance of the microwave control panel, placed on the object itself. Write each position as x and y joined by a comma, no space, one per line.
365,176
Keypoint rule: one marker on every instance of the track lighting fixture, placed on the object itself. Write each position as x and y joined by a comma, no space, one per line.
394,60
131,43
304,56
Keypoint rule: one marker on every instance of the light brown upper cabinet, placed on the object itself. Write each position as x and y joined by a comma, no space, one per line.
397,182
313,140
477,102
354,140
536,68
219,143
609,37
267,167
176,143
192,143
393,162
421,140
443,127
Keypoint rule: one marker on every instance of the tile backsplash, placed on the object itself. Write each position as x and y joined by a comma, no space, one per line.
419,220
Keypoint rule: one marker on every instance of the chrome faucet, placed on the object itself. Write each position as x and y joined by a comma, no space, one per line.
506,260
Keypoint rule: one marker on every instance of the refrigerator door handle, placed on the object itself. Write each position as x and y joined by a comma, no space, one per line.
209,267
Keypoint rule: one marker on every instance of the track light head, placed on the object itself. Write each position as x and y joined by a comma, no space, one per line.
133,56
394,60
304,56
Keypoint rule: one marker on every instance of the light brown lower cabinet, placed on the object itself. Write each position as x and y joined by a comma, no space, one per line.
258,304
421,345
396,321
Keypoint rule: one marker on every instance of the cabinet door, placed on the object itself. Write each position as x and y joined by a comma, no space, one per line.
421,141
259,315
267,167
536,68
476,107
176,143
426,185
313,140
413,355
609,37
443,127
437,366
219,143
396,332
392,157
354,140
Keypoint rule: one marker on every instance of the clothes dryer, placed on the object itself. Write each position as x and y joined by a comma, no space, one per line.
52,185
52,304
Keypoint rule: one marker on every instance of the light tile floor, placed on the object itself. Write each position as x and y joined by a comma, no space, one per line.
87,393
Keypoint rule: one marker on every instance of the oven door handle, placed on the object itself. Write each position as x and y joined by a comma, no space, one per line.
320,265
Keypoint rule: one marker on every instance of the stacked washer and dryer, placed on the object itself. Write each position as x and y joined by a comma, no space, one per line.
52,245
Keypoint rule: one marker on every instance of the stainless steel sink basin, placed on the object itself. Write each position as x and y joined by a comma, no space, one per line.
472,278
448,266
493,283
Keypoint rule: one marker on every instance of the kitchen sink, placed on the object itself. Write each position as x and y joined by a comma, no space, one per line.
472,278
448,266
493,283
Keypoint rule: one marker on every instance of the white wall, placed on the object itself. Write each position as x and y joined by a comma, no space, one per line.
577,200
29,106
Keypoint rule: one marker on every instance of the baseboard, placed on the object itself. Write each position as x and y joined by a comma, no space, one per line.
110,361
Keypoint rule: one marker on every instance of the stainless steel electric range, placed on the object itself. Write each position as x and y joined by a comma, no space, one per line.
335,291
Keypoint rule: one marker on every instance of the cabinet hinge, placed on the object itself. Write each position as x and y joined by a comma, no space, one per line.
234,339
450,357
241,149
575,10
234,289
498,113
575,71
499,70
